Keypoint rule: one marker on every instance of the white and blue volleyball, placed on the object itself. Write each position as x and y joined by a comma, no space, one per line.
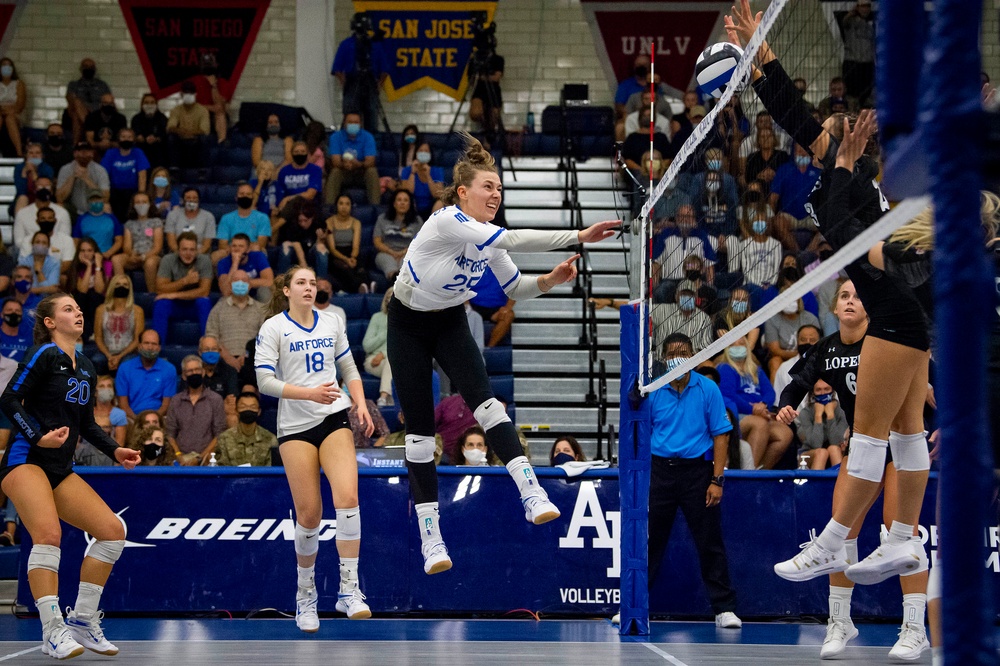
715,68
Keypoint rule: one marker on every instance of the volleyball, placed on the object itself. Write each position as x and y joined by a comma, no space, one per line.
715,67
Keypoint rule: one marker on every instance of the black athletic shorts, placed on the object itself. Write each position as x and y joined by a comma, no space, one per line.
54,477
895,314
317,434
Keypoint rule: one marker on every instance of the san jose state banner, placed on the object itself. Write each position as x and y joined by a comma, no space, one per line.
170,37
427,43
679,30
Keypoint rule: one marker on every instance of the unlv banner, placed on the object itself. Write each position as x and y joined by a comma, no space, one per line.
170,37
10,11
678,29
427,44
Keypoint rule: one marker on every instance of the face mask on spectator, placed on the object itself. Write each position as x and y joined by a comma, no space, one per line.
149,354
187,98
474,456
240,287
244,202
739,307
22,286
126,145
803,348
191,205
88,72
759,227
824,399
673,363
686,303
423,157
108,109
248,416
273,130
152,450
43,194
714,165
96,207
738,352
55,141
34,161
299,158
161,181
802,160
13,319
120,291
195,381
753,196
39,249
6,71
105,394
640,72
142,209
713,185
149,109
46,227
561,459
353,128
791,308
210,357
410,138
322,297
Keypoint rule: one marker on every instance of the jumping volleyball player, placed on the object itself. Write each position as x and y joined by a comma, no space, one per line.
892,374
299,350
427,322
51,402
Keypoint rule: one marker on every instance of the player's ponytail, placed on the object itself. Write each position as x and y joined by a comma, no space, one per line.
475,159
46,309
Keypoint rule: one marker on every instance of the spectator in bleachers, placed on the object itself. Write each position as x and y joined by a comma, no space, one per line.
26,176
219,375
79,178
213,93
858,29
84,281
324,290
24,291
746,384
15,331
682,121
361,86
61,245
473,451
26,219
781,334
352,155
757,256
376,356
486,104
793,182
694,116
44,267
838,94
234,321
193,219
343,239
777,228
666,207
638,82
303,241
151,441
409,141
637,144
423,181
146,381
150,127
103,124
58,151
299,181
127,168
822,428
260,277
187,127
314,136
196,416
682,316
361,439
716,195
118,322
270,145
493,304
83,96
182,283
668,268
807,336
631,124
394,231
452,417
566,449
265,192
697,271
790,273
244,220
13,98
161,193
143,240
763,163
734,314
764,121
246,443
103,227
107,414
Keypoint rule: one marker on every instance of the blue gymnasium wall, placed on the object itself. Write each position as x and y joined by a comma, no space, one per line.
502,563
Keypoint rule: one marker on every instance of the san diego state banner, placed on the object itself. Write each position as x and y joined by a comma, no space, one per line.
170,37
427,43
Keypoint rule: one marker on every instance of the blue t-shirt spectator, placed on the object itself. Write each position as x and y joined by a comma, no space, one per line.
254,225
793,188
175,200
50,268
346,57
360,146
627,88
123,170
253,264
421,190
488,292
292,181
268,198
684,423
744,392
145,389
21,183
102,228
14,346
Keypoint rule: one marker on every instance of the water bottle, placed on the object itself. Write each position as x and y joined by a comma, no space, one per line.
212,462
529,123
803,464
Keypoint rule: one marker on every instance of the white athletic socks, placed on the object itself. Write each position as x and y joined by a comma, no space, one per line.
348,574
88,600
524,476
48,609
833,536
840,602
914,606
899,533
307,577
427,519
851,546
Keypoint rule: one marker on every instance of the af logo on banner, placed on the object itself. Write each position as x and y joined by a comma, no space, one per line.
678,29
170,37
427,44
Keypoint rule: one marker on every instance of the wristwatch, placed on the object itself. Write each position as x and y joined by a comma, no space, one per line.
719,480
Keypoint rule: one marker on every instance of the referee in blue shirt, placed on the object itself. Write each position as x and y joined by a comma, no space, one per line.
690,440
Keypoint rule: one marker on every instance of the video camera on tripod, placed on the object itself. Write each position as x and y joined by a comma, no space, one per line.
364,34
484,46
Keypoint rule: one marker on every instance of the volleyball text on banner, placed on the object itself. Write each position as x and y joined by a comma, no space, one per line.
170,36
425,44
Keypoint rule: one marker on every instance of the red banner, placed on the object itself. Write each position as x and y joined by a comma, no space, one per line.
9,11
170,36
679,30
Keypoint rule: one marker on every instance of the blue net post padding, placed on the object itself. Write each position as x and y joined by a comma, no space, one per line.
953,124
633,471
